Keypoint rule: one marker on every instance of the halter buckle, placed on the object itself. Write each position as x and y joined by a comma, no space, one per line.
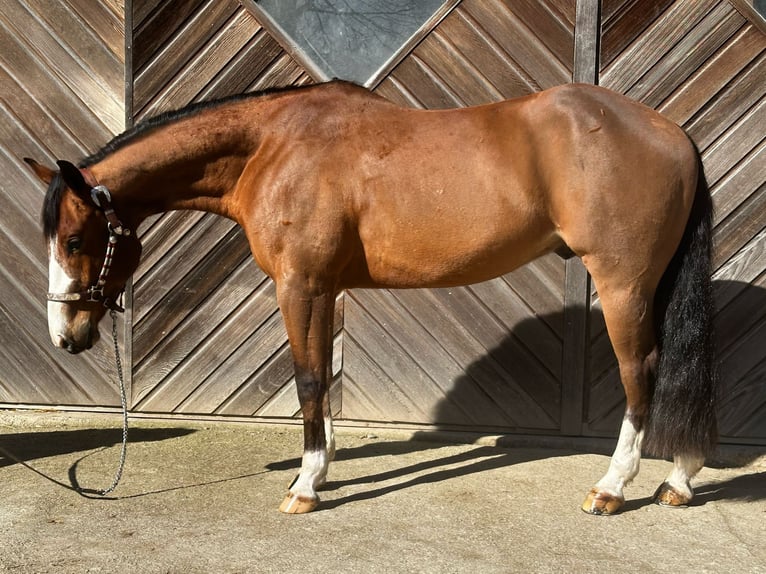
95,294
100,189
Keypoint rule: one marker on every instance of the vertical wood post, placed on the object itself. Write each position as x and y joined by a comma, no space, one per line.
577,281
127,359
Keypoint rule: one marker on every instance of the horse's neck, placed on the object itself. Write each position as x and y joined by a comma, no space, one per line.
187,165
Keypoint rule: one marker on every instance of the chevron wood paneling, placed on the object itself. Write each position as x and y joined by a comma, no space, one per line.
61,92
703,65
489,355
204,330
487,50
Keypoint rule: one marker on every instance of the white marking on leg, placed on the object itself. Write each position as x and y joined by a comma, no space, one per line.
58,282
625,460
329,434
313,474
684,469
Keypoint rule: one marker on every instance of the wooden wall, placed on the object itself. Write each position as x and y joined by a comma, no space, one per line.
523,353
61,94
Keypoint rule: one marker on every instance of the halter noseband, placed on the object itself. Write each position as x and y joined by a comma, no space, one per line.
95,293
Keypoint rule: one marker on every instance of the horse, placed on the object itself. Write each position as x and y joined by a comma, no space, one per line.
337,188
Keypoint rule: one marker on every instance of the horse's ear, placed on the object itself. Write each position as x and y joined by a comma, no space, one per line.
73,177
45,173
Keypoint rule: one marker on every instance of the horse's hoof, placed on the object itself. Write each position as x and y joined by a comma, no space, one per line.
599,502
294,504
666,495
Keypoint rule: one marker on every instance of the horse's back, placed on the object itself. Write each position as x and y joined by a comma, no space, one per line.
435,198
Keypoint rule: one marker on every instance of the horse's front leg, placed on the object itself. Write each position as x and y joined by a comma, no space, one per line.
308,319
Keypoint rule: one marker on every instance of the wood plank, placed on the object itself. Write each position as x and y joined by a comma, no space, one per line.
739,184
225,358
731,104
740,227
32,132
238,73
157,22
737,296
394,91
552,25
518,41
680,61
61,85
173,59
190,83
469,85
143,9
19,60
61,378
712,77
177,346
179,261
737,142
506,308
107,23
68,69
283,71
26,202
190,291
165,232
495,358
624,71
414,396
624,21
424,85
270,392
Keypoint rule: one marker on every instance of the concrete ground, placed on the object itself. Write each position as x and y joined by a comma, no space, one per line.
202,497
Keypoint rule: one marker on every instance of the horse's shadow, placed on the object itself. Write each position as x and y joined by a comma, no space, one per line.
748,487
24,447
427,471
18,448
738,318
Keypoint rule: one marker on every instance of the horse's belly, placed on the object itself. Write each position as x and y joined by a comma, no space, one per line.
446,258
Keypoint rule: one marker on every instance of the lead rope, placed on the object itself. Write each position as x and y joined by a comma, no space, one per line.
124,402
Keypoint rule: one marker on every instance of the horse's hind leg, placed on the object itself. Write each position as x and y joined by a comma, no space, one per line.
308,319
628,315
677,489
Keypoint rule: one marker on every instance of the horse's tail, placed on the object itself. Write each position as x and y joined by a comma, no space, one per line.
682,418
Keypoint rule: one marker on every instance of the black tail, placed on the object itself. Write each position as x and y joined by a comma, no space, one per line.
682,418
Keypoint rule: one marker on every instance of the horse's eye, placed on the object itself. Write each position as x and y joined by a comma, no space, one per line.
73,245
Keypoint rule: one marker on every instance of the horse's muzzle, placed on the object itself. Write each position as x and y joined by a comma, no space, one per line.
75,346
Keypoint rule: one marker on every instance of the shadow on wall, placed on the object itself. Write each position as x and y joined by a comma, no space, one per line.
740,325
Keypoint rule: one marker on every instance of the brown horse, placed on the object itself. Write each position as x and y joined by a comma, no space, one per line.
337,188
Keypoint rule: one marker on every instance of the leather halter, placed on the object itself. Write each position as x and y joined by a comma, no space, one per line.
95,293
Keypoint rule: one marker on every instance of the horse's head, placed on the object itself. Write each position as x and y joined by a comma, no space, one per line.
91,254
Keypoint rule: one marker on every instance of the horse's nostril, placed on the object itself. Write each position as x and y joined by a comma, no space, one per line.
72,347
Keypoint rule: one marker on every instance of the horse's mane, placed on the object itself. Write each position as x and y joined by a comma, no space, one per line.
51,204
165,118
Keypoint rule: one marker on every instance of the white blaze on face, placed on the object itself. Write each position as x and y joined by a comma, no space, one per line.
58,282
